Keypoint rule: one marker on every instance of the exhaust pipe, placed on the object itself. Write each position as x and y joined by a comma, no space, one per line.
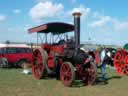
77,29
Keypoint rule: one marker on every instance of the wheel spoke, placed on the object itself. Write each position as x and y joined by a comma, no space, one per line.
64,68
119,61
90,75
69,74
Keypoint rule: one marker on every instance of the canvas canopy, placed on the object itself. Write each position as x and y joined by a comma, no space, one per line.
54,28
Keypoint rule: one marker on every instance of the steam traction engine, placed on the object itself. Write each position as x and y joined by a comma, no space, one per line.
65,59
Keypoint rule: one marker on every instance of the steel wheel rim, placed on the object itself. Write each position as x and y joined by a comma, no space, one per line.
125,66
66,74
37,66
125,70
91,75
119,61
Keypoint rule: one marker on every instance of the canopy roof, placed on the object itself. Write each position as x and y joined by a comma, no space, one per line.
53,27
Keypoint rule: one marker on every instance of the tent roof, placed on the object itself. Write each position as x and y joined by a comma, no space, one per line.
125,46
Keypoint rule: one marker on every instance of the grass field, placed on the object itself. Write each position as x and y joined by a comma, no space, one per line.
14,83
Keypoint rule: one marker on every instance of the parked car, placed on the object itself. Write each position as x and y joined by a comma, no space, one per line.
14,54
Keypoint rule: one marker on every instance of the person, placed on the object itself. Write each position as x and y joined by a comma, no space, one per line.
102,65
104,55
90,55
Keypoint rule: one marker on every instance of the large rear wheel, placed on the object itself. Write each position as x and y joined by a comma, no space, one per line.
67,73
39,61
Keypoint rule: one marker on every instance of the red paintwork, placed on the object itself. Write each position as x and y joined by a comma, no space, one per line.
67,74
38,66
88,76
59,49
79,71
121,62
53,27
46,46
97,57
15,57
38,28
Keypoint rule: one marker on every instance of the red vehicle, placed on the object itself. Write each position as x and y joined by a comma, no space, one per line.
14,54
62,56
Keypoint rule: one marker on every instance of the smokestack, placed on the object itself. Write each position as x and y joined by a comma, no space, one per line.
77,29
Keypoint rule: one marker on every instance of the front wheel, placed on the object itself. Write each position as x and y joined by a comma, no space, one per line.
90,74
67,73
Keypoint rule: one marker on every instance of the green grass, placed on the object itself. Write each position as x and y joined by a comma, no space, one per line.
14,83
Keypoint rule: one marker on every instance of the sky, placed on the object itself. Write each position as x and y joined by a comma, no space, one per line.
102,21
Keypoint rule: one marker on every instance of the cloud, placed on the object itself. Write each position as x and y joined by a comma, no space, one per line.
45,10
82,9
16,11
103,20
2,17
120,26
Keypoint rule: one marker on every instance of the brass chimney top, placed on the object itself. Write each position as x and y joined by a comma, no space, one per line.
76,14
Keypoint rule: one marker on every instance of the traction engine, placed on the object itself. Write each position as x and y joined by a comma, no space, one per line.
64,59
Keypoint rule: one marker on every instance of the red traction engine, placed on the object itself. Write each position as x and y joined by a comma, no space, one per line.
121,62
64,59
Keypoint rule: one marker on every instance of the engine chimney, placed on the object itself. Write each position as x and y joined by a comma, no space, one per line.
77,29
